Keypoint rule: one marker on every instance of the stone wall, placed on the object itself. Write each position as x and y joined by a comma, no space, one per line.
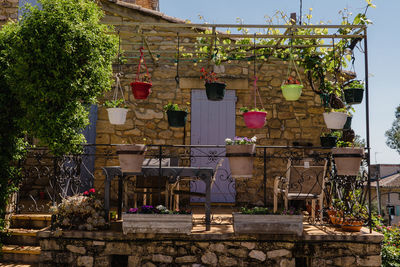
115,249
8,10
287,122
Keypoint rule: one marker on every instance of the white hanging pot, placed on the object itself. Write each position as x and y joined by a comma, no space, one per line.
335,120
348,160
117,115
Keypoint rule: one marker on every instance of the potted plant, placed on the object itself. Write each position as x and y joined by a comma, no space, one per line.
176,115
131,157
347,158
215,90
329,139
254,118
260,220
335,118
353,92
141,87
148,219
240,152
117,111
291,89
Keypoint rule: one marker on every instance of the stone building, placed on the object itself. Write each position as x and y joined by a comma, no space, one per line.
287,122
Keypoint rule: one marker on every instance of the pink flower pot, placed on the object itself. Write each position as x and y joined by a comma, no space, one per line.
255,119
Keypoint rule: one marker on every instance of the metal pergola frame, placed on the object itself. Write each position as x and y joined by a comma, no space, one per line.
178,30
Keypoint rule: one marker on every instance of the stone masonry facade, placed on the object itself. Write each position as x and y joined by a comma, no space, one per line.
8,10
287,121
110,248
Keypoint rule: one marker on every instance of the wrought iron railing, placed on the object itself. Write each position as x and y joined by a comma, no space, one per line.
48,179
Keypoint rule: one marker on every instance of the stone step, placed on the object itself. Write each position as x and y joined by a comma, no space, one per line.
20,254
30,221
22,237
11,264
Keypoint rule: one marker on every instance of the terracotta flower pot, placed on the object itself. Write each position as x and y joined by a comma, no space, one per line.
141,90
352,225
215,91
335,120
255,119
291,92
241,159
347,160
131,157
117,116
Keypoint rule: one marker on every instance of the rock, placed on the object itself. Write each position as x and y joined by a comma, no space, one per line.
279,253
344,261
103,261
217,247
186,259
182,251
134,261
203,245
240,252
85,261
148,114
226,261
209,258
117,248
98,243
258,255
287,263
248,245
370,261
148,264
162,258
78,250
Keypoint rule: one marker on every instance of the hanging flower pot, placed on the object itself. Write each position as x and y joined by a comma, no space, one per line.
117,116
255,119
215,90
347,160
141,90
291,90
354,92
335,120
328,141
117,111
240,151
142,85
176,116
131,157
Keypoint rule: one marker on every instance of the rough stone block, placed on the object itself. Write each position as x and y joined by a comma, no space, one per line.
374,261
258,255
117,248
75,249
279,253
186,259
209,258
161,258
218,247
227,261
84,261
248,245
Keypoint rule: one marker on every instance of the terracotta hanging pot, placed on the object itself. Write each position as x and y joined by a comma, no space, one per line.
131,157
255,119
241,160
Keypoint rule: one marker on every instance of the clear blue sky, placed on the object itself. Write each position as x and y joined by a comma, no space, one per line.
383,40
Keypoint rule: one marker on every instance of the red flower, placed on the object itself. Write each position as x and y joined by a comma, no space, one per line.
92,191
86,193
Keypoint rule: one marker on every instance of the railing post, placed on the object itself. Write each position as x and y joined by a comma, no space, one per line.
265,176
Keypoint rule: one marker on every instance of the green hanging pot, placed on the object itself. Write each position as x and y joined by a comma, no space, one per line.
353,95
176,118
347,125
291,92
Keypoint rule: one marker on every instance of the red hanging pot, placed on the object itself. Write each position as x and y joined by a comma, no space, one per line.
255,119
141,90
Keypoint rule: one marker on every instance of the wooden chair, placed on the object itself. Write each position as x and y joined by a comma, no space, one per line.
175,191
304,180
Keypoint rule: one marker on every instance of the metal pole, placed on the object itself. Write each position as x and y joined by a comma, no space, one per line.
265,177
367,129
160,174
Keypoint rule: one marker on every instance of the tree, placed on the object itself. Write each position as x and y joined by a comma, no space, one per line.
393,134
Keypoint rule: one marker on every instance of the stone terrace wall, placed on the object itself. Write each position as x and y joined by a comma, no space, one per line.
8,10
287,122
104,248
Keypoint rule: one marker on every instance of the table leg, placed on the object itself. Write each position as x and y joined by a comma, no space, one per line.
207,204
120,189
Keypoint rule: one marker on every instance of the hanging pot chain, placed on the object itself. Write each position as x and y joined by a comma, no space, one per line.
177,63
256,92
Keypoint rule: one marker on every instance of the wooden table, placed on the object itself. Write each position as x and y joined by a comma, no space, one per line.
173,173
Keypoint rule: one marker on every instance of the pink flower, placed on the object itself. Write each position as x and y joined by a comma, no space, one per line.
86,193
92,191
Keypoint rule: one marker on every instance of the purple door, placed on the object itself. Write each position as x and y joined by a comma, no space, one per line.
211,123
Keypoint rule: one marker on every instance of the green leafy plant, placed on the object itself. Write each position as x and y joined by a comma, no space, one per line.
174,107
119,103
267,211
246,109
356,84
336,134
344,144
391,242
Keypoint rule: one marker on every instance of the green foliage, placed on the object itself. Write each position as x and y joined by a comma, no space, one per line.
337,134
356,84
61,62
393,134
344,144
174,107
267,211
119,103
390,244
246,109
